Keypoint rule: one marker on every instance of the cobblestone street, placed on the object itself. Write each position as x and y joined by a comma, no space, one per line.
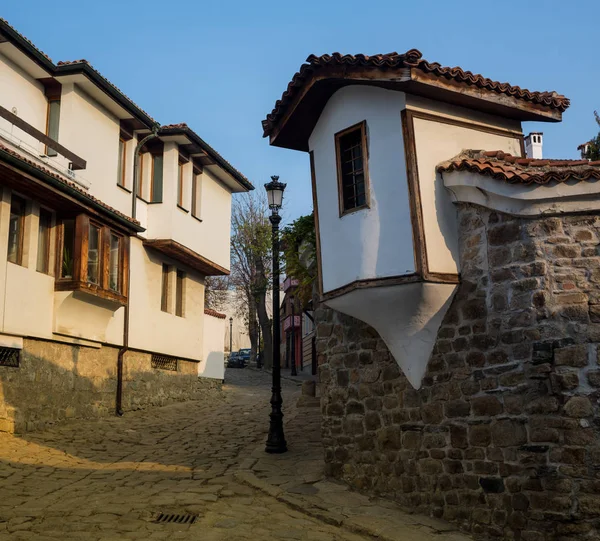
108,480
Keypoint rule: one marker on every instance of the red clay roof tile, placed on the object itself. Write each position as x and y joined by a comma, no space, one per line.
214,313
412,58
515,170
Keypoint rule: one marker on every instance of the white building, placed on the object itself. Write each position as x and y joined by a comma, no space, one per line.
103,291
376,128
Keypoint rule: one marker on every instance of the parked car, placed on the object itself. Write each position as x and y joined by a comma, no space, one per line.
245,354
235,361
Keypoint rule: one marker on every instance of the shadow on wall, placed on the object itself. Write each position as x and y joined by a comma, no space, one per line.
56,382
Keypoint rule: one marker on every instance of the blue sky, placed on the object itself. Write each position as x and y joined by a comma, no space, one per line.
220,66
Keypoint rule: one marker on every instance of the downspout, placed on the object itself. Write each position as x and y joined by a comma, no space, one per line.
125,348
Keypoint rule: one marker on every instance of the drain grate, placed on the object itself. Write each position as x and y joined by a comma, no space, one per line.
171,518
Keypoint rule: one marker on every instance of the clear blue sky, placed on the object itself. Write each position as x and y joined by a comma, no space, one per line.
219,66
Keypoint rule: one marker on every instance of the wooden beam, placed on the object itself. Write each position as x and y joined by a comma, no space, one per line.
78,163
185,255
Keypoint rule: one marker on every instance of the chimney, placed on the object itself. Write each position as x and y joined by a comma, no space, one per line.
533,145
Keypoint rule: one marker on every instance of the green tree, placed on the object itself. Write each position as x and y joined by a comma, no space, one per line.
593,152
299,255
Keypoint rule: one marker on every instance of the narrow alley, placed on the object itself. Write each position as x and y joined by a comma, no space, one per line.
111,479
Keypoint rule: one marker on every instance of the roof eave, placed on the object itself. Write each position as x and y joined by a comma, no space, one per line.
211,152
107,88
24,45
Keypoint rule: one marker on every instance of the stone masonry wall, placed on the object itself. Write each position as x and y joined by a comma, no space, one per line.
57,381
503,436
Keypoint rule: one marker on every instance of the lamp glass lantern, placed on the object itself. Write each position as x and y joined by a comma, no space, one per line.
275,193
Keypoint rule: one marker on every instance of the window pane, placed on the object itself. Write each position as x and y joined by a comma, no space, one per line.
115,256
180,186
164,299
53,117
66,269
121,170
43,253
180,295
93,262
157,180
15,230
352,172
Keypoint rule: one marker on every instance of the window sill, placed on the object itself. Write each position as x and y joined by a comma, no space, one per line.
352,211
196,218
149,202
15,263
182,208
91,289
124,188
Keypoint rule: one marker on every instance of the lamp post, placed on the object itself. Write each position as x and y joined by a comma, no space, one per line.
276,439
292,300
230,335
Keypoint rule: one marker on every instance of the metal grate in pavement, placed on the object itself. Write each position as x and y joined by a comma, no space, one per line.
10,357
171,518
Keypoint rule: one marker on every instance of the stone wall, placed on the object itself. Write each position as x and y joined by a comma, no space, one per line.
57,381
503,436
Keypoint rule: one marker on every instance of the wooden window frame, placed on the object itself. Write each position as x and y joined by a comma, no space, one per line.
164,288
180,184
47,241
123,168
78,281
140,186
180,287
196,192
21,231
50,151
362,126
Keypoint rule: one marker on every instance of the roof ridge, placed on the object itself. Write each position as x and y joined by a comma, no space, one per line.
412,58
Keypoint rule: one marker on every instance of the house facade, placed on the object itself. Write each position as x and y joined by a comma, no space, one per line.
103,276
457,330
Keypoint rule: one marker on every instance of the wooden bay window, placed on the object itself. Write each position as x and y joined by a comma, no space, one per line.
43,253
94,258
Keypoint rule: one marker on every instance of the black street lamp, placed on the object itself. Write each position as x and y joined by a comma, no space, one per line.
230,335
276,439
292,300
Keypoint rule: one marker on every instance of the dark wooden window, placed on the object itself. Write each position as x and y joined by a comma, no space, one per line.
180,184
43,252
122,162
164,293
114,264
16,228
196,194
68,249
140,182
180,294
156,186
52,120
353,182
94,259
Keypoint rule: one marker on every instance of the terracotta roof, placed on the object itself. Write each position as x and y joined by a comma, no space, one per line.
410,59
68,183
214,313
515,170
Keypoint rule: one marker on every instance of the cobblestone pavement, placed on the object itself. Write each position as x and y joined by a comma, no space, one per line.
109,479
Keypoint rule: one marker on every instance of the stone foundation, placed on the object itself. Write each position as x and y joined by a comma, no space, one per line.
503,436
57,381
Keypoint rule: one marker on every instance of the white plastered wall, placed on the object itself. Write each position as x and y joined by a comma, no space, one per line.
213,359
22,93
375,242
151,329
437,141
90,131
